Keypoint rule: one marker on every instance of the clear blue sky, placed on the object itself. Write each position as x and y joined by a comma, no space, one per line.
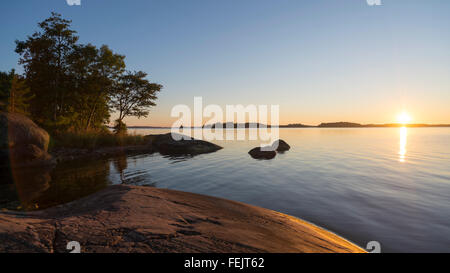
319,60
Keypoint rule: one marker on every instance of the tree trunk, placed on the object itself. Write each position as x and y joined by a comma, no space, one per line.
91,114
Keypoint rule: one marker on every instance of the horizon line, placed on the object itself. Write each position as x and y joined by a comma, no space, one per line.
340,124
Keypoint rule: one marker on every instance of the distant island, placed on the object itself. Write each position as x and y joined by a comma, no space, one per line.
340,124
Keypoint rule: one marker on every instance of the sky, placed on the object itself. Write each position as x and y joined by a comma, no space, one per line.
319,60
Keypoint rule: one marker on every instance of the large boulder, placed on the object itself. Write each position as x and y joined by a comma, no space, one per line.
167,145
28,152
21,140
259,153
17,130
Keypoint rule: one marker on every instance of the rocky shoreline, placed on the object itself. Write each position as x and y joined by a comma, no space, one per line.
149,220
143,219
163,143
64,155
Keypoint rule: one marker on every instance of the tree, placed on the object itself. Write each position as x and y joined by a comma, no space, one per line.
110,67
45,59
94,72
134,96
5,87
14,93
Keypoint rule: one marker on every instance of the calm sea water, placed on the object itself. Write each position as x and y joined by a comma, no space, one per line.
389,185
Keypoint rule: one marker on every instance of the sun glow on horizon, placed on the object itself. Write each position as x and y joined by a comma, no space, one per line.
404,118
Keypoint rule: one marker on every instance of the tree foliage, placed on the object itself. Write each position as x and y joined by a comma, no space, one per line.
94,73
14,93
134,95
76,86
44,56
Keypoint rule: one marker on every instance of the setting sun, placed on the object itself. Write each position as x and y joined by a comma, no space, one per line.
404,118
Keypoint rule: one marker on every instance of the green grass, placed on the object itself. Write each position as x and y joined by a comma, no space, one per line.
94,140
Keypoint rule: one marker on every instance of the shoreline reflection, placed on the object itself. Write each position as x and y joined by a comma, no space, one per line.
403,142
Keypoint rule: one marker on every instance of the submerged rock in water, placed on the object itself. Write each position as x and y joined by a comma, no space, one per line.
148,220
259,153
281,146
22,142
270,152
167,145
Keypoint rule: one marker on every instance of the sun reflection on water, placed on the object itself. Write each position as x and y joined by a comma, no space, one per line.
403,142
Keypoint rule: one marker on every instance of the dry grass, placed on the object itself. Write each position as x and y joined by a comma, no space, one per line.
94,140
